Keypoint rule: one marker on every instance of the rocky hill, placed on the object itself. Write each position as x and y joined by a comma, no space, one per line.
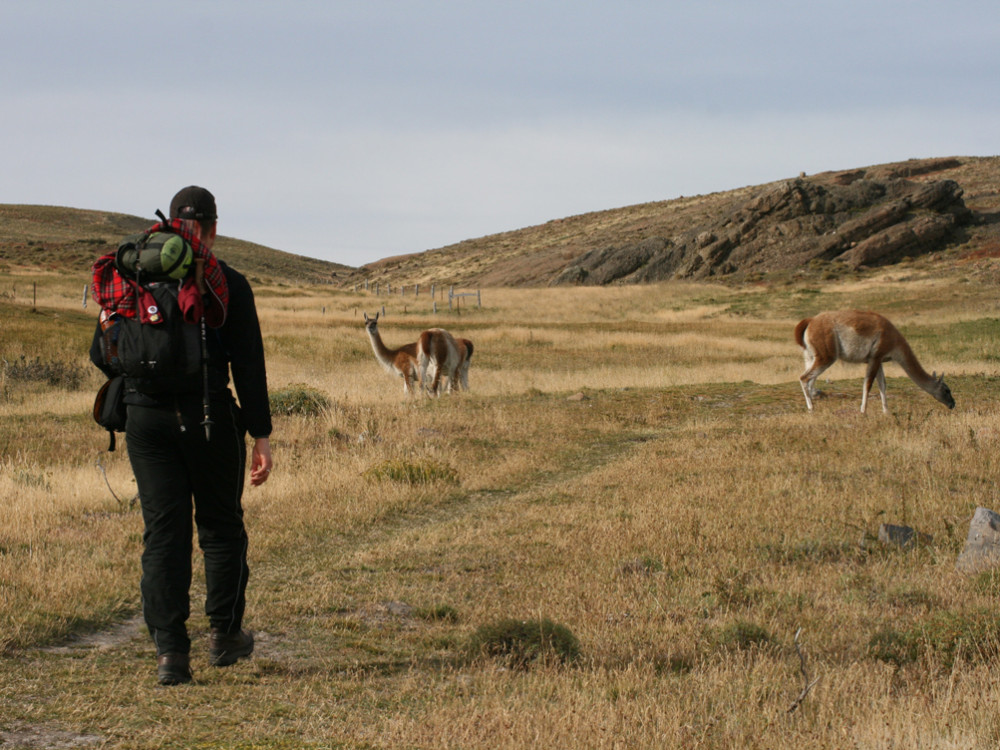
855,218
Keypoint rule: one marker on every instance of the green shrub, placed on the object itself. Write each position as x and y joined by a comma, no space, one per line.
299,399
522,642
412,472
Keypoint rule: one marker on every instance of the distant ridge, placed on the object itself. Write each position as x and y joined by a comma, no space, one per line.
850,218
72,238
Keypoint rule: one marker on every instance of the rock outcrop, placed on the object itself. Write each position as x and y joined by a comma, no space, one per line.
851,217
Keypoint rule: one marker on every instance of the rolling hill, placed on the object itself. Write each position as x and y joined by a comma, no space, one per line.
849,219
52,236
903,209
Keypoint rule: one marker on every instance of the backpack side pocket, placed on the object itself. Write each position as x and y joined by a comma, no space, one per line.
110,411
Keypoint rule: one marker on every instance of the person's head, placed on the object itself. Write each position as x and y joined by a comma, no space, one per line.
197,204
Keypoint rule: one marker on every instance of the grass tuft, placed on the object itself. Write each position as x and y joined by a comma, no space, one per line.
412,472
519,643
299,399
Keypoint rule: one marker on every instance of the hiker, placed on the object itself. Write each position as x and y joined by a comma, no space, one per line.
186,436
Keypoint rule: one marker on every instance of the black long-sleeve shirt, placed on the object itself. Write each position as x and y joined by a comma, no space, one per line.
237,346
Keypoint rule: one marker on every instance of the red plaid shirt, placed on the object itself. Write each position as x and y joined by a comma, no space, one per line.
118,295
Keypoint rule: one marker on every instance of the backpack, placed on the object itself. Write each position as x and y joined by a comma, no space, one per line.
163,349
160,350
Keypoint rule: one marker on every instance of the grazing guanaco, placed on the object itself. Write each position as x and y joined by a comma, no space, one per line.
860,336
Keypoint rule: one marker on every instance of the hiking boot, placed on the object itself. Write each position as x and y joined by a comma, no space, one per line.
173,669
227,648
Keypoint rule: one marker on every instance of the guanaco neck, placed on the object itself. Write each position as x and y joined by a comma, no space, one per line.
384,354
906,359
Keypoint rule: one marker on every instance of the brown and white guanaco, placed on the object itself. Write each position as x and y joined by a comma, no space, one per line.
401,361
861,336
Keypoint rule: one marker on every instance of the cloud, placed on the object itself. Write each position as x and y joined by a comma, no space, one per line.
358,130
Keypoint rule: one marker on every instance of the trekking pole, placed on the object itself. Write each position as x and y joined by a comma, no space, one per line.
206,408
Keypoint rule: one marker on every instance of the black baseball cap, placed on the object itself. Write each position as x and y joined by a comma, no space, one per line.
193,203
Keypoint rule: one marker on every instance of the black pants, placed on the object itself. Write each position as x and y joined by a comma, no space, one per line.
174,464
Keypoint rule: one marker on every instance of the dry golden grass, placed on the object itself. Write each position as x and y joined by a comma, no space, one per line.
635,464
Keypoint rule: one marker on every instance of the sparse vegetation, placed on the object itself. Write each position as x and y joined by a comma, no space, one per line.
741,636
941,637
66,375
633,472
412,472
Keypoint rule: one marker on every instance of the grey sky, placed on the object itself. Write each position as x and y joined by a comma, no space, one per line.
355,130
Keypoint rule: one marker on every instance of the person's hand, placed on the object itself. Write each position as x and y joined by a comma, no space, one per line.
261,463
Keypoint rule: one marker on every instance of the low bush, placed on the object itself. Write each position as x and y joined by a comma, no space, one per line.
66,375
299,399
519,643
